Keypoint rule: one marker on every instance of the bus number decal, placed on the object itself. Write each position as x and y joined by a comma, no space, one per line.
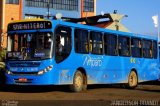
93,62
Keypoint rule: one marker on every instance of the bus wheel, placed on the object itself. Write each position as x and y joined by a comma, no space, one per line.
132,80
78,80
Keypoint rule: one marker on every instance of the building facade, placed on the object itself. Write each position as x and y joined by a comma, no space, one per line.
68,8
11,10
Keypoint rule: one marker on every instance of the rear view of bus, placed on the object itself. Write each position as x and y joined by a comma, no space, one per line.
29,56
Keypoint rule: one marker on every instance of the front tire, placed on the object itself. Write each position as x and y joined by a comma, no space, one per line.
132,80
78,80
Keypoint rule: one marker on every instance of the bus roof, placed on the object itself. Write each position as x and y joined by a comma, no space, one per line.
98,29
88,27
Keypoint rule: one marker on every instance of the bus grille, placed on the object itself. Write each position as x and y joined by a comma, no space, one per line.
24,64
25,73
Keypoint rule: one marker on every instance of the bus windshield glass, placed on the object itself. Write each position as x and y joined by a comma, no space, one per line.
30,46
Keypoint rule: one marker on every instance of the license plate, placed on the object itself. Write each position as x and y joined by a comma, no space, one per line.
22,79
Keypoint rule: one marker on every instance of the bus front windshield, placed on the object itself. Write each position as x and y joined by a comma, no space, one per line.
30,46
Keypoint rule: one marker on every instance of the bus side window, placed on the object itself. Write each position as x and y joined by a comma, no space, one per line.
110,42
136,49
154,52
63,43
147,48
124,46
81,41
96,42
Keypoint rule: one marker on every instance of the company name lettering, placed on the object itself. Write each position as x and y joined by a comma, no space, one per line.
93,62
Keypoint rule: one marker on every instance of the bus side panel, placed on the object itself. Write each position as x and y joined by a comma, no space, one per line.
148,70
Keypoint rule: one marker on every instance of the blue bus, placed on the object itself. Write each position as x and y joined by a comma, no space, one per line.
55,52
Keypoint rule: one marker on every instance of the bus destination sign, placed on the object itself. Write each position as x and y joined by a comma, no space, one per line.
32,25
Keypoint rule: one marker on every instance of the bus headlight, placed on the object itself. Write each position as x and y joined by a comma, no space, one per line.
45,70
40,72
8,72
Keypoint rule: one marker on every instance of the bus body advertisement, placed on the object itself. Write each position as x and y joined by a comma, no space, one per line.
43,52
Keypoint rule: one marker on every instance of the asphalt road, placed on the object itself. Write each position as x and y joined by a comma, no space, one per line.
101,95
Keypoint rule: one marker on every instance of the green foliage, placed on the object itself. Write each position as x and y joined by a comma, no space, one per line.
2,58
2,65
2,55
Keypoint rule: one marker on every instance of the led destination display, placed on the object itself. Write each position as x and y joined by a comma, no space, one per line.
33,25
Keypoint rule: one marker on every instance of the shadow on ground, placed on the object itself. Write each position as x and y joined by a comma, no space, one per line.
33,89
62,88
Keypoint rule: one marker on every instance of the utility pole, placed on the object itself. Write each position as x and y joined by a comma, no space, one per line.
48,15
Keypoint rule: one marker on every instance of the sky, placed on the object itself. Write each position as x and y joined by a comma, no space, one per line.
139,13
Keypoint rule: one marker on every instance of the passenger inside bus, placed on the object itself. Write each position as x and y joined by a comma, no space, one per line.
88,48
59,48
150,50
47,41
15,42
139,44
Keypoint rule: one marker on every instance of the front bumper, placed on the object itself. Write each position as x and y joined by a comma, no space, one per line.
45,79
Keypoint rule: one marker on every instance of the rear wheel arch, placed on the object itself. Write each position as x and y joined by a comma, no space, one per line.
83,71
